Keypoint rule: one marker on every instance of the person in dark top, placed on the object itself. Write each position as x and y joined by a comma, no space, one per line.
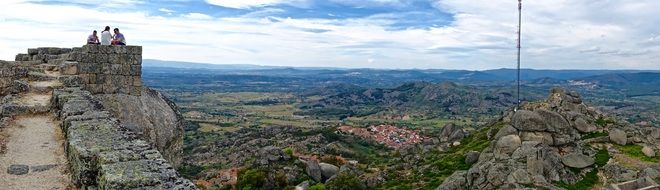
93,38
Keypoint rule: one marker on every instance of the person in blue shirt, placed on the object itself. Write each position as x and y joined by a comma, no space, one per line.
118,38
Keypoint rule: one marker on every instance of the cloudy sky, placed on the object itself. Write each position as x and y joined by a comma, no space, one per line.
447,34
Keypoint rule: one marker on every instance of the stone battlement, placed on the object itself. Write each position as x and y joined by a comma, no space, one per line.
98,69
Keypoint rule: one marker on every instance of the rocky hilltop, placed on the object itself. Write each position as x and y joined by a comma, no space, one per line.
118,134
561,143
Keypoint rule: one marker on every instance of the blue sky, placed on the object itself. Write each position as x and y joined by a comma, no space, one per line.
402,34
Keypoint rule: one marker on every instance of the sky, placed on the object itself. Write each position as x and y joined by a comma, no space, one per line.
388,34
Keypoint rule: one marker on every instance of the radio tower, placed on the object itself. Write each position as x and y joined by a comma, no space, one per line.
519,26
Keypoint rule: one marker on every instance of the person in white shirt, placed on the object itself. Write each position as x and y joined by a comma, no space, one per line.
106,36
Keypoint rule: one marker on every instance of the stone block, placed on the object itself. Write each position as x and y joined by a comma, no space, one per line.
69,68
126,81
105,49
110,88
102,58
120,49
84,78
135,91
114,58
42,50
71,81
100,79
93,49
138,59
50,57
55,51
134,49
22,57
115,69
33,51
85,140
134,174
86,58
137,81
73,56
135,70
94,88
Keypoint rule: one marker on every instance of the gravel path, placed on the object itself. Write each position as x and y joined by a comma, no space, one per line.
34,156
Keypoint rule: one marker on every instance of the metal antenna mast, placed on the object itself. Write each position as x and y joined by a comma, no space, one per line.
519,26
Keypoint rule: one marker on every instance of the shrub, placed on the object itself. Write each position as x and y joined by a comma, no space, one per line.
602,156
586,183
601,122
190,171
594,135
289,151
318,186
345,181
251,179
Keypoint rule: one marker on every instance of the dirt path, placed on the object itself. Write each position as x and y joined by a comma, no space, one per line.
34,157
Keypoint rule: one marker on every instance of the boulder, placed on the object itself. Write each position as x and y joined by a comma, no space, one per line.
540,137
525,120
507,144
648,151
471,157
583,126
617,173
451,132
328,170
577,160
18,169
554,121
271,153
650,172
314,170
457,181
519,176
303,186
506,130
618,136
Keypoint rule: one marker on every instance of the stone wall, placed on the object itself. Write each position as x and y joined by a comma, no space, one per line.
11,74
120,134
103,154
104,69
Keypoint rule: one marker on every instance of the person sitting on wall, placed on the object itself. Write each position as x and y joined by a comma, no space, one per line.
118,39
106,37
93,38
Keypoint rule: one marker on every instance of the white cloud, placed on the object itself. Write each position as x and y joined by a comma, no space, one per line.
245,4
556,34
199,16
166,10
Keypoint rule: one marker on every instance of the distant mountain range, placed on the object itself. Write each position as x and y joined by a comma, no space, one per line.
441,99
427,74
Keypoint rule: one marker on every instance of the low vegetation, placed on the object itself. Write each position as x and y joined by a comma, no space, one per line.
594,135
590,179
635,151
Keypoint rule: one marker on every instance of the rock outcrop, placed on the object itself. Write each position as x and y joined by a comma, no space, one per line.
541,145
104,154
